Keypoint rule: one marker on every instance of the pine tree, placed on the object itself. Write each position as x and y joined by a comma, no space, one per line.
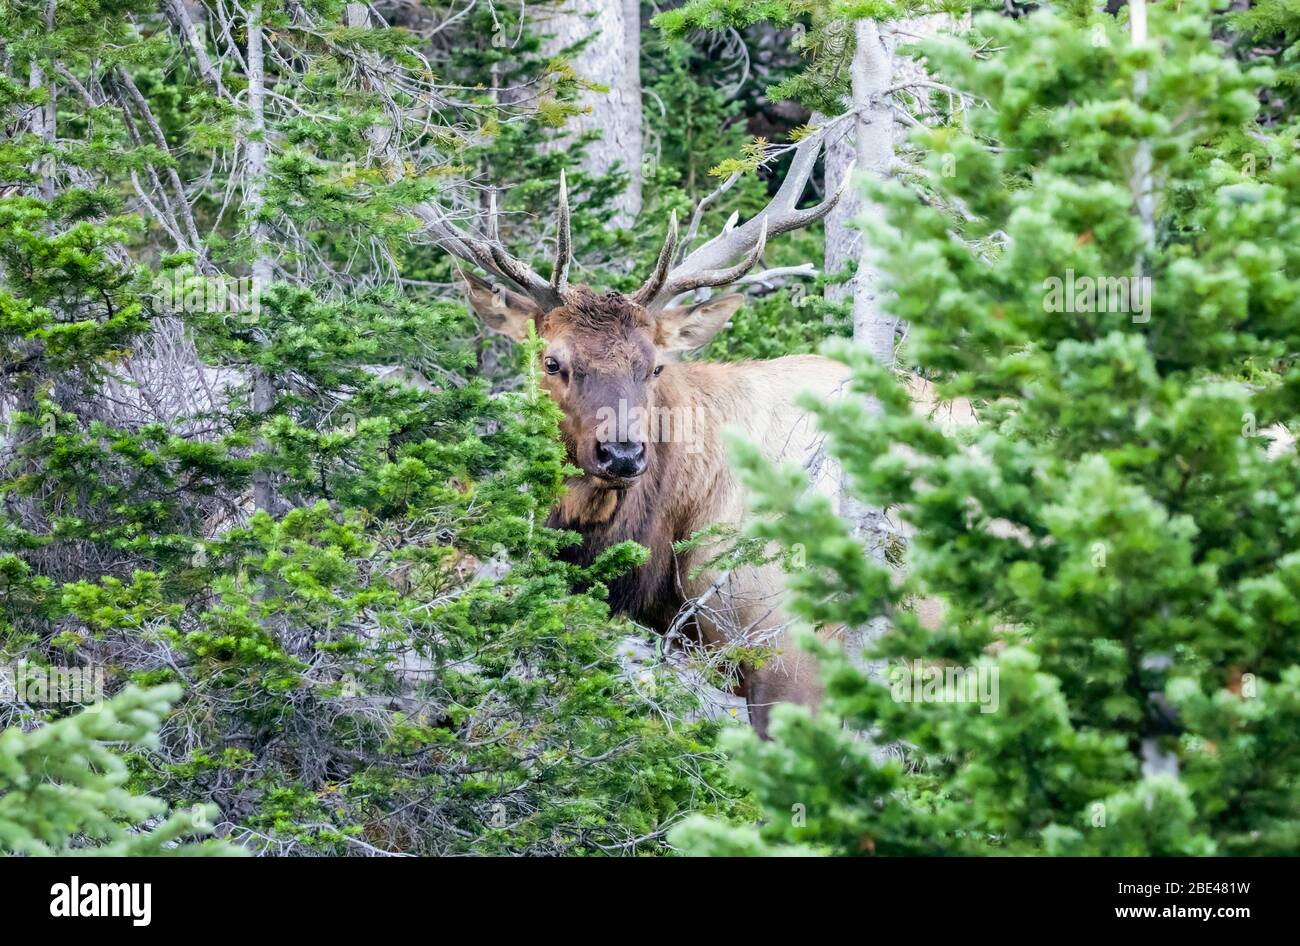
1116,543
1270,29
64,791
304,504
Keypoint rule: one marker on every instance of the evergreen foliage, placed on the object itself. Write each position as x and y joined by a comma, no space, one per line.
1115,543
64,791
390,659
385,654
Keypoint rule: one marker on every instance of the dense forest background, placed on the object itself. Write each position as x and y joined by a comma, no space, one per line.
272,490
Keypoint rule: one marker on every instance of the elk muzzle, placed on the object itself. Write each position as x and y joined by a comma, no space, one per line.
620,461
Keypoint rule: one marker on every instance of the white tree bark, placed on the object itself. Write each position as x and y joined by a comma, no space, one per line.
870,141
843,239
180,17
872,71
43,120
1142,178
43,129
254,144
612,59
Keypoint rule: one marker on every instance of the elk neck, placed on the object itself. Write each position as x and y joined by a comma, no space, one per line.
685,485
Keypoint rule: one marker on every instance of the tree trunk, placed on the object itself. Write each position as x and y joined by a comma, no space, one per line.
612,59
873,70
872,146
255,183
870,143
873,142
843,239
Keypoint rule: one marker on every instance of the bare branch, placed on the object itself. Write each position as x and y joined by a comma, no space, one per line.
768,277
693,230
123,79
180,17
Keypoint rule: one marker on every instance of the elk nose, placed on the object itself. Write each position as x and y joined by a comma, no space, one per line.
621,458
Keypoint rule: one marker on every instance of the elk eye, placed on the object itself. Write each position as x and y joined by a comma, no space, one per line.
551,365
658,370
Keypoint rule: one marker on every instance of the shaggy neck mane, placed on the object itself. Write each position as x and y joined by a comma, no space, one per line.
669,501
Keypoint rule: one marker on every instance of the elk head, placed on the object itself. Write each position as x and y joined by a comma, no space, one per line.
605,353
602,364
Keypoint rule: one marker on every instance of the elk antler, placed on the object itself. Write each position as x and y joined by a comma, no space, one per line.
657,278
492,255
734,251
564,243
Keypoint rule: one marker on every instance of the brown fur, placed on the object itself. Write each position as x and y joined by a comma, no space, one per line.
607,347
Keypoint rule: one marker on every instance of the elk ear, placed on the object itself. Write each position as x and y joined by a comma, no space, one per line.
689,328
500,309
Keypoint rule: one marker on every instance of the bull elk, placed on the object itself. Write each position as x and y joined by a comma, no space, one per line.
612,363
